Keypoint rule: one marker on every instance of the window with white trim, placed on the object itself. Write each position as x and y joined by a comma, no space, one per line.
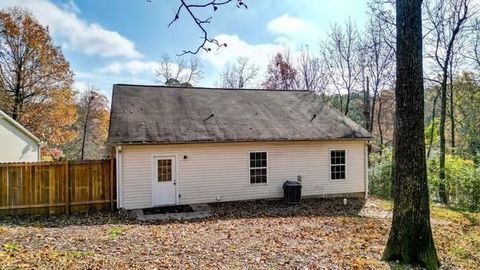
338,164
258,167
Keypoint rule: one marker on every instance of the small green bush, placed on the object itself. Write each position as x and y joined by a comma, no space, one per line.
380,174
462,181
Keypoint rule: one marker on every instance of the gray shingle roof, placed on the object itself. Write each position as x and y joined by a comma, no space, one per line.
158,114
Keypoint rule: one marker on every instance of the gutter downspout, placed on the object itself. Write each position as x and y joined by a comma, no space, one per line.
118,155
365,161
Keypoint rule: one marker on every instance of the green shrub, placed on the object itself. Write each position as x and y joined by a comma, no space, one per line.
462,181
380,174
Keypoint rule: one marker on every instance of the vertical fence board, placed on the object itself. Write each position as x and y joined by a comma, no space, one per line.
56,187
3,187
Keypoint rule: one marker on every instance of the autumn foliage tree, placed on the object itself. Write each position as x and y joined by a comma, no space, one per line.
35,78
91,126
281,73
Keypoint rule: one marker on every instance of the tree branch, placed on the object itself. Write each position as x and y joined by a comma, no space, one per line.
206,39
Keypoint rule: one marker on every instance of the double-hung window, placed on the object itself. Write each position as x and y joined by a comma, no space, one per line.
338,164
258,167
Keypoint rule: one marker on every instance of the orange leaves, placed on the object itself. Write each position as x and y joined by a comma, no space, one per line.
281,73
36,84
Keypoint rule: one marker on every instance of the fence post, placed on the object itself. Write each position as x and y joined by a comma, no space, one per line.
51,189
112,174
8,191
67,188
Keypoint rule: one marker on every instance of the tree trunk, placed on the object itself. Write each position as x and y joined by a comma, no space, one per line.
410,239
347,103
452,110
372,112
442,191
432,131
17,101
379,123
366,106
85,127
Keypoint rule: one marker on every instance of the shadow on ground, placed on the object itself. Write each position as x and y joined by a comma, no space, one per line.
220,211
276,208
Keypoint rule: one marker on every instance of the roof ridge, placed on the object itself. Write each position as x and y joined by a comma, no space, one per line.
207,88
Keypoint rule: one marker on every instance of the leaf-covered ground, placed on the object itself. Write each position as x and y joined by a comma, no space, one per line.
320,234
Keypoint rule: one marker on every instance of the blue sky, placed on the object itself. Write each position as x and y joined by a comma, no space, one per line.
121,41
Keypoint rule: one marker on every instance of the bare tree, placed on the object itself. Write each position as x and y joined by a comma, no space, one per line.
312,72
476,43
180,70
383,11
379,63
240,74
341,54
447,20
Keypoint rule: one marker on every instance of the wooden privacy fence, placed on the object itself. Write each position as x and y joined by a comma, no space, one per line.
57,187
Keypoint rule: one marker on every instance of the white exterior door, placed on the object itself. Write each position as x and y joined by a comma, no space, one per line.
164,181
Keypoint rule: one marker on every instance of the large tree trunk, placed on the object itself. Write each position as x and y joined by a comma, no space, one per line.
410,239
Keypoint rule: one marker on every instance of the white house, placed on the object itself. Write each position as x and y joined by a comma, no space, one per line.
16,142
198,145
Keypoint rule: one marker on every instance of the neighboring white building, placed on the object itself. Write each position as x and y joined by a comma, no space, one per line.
17,144
199,145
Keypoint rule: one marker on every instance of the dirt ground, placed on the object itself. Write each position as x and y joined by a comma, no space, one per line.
319,234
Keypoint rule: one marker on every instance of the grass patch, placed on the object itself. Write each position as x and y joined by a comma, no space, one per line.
443,212
77,254
460,252
116,231
455,215
12,247
386,204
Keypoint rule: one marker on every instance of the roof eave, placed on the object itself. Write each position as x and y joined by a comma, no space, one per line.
20,127
236,141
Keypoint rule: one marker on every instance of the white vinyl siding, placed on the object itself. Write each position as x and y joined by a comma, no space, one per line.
15,145
220,171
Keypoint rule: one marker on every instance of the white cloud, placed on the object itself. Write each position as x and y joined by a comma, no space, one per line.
289,25
260,54
293,31
80,86
75,33
132,67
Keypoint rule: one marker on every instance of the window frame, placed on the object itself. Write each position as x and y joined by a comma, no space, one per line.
331,165
249,168
170,163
